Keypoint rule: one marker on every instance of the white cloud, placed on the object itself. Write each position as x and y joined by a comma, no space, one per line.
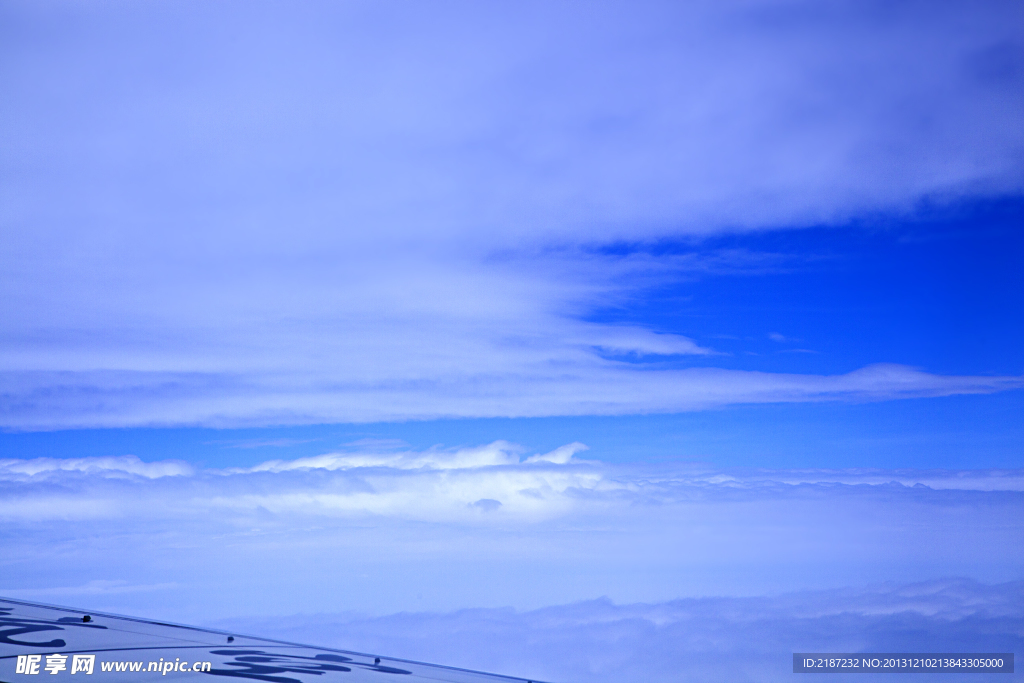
348,216
497,453
494,454
103,466
561,455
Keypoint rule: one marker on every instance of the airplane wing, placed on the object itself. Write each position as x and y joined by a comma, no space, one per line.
39,642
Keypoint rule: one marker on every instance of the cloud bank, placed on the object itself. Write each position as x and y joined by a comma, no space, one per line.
381,530
368,212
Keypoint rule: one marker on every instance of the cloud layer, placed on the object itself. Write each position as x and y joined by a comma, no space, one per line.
703,639
365,212
380,530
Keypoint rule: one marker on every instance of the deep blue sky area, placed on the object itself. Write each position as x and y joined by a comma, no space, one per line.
942,290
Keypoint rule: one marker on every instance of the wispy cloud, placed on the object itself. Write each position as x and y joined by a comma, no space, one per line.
497,453
494,454
525,382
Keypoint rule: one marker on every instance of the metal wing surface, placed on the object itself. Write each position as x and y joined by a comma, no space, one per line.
43,642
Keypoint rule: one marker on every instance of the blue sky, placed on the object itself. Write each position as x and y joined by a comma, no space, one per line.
325,281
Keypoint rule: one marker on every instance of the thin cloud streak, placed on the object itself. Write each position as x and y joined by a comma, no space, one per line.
583,385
